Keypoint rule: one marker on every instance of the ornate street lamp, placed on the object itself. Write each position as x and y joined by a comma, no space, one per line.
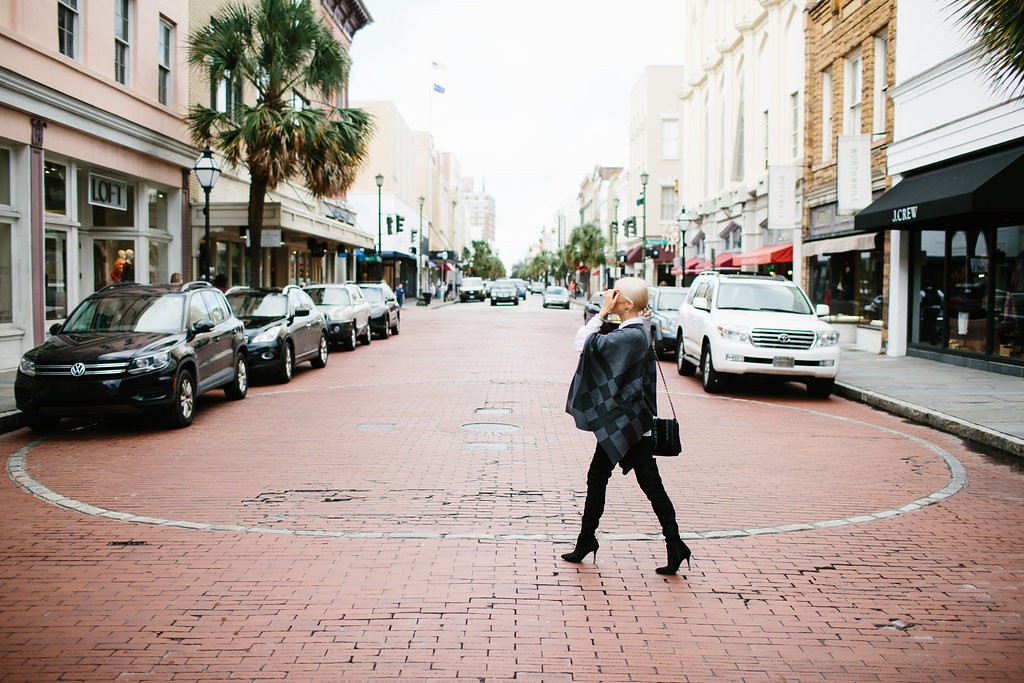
419,248
644,177
380,250
207,171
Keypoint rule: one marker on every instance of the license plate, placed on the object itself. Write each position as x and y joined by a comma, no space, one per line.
783,362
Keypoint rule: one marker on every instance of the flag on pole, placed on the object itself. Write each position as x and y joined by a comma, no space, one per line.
438,89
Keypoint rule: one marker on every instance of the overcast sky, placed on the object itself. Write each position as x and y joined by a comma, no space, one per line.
536,92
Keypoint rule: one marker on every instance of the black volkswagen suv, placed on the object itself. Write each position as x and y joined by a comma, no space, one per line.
132,348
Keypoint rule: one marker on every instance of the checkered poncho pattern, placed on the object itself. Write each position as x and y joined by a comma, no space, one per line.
614,390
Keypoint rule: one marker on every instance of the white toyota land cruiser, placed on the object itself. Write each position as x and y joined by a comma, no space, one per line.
755,324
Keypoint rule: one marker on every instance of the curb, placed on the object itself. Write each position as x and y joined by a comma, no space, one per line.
931,418
11,420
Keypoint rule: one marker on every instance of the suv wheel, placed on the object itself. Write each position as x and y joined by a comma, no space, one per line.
711,379
184,408
398,324
368,337
286,367
350,343
683,366
385,332
239,386
320,359
820,387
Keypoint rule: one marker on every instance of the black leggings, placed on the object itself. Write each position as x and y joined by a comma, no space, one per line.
641,461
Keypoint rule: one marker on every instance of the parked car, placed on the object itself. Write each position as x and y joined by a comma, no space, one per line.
504,291
556,296
593,307
664,303
472,288
346,311
282,328
756,325
385,314
130,349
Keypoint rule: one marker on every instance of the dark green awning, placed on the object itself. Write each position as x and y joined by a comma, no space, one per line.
978,192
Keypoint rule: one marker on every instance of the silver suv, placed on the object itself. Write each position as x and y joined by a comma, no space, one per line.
755,325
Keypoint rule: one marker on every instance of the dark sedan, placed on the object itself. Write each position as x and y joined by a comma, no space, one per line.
385,314
283,328
130,349
664,303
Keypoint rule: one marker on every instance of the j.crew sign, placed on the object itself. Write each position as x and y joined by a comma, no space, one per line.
907,213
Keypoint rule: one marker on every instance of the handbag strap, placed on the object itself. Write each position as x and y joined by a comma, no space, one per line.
663,380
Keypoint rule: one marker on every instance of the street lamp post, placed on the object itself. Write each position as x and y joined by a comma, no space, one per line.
615,243
380,250
207,171
644,177
419,248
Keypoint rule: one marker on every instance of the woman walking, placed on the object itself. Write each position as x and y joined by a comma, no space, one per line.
614,395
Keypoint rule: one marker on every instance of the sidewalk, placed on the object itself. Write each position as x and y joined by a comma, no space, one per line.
984,407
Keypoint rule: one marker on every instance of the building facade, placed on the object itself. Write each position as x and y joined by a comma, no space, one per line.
479,212
742,104
954,213
849,120
304,239
94,163
655,166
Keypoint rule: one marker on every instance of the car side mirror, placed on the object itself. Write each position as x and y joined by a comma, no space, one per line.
55,329
821,310
701,303
301,312
202,326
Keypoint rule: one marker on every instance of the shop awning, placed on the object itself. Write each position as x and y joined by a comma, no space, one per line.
691,262
633,255
724,260
447,266
981,191
398,255
776,253
664,256
697,265
838,245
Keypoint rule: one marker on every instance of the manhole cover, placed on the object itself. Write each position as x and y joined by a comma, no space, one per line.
494,411
484,446
491,427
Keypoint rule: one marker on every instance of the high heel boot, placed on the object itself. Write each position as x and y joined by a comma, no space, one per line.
677,552
584,546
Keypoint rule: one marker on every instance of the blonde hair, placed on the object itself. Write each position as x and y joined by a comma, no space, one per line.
634,289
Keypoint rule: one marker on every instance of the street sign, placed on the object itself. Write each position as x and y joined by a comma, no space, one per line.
657,243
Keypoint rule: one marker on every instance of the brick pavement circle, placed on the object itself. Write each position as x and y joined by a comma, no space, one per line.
17,470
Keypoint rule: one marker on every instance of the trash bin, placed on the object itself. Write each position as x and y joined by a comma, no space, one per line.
424,299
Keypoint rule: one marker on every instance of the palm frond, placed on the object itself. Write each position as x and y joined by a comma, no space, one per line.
996,29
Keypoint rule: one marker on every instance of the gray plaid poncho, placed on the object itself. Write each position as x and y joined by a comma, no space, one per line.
614,391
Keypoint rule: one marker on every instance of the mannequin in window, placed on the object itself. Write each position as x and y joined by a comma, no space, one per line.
128,268
115,274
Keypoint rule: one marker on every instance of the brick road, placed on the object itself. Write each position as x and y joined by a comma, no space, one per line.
346,526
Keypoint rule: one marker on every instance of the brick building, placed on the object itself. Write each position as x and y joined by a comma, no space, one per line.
848,125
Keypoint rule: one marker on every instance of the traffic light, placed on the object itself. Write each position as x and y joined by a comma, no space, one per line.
615,227
629,226
391,224
652,252
398,223
622,258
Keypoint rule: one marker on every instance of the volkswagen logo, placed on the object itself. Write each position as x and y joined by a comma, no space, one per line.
78,369
783,338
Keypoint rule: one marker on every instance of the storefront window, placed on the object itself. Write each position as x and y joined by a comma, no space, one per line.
237,257
1009,288
113,261
157,210
968,304
5,176
928,307
106,217
158,262
56,284
6,305
850,283
55,188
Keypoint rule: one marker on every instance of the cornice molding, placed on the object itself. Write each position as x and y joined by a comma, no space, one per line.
43,102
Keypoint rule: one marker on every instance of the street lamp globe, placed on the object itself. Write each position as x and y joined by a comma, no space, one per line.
644,177
380,180
207,170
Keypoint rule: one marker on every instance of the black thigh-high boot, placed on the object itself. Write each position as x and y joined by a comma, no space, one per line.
597,484
649,478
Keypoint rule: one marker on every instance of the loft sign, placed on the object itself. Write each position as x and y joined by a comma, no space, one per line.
108,192
907,213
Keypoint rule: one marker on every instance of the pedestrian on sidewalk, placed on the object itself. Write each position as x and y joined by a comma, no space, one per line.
620,365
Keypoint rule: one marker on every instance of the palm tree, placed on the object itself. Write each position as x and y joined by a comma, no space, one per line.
584,248
998,30
278,48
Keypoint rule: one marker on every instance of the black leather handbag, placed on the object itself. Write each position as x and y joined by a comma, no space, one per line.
665,433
